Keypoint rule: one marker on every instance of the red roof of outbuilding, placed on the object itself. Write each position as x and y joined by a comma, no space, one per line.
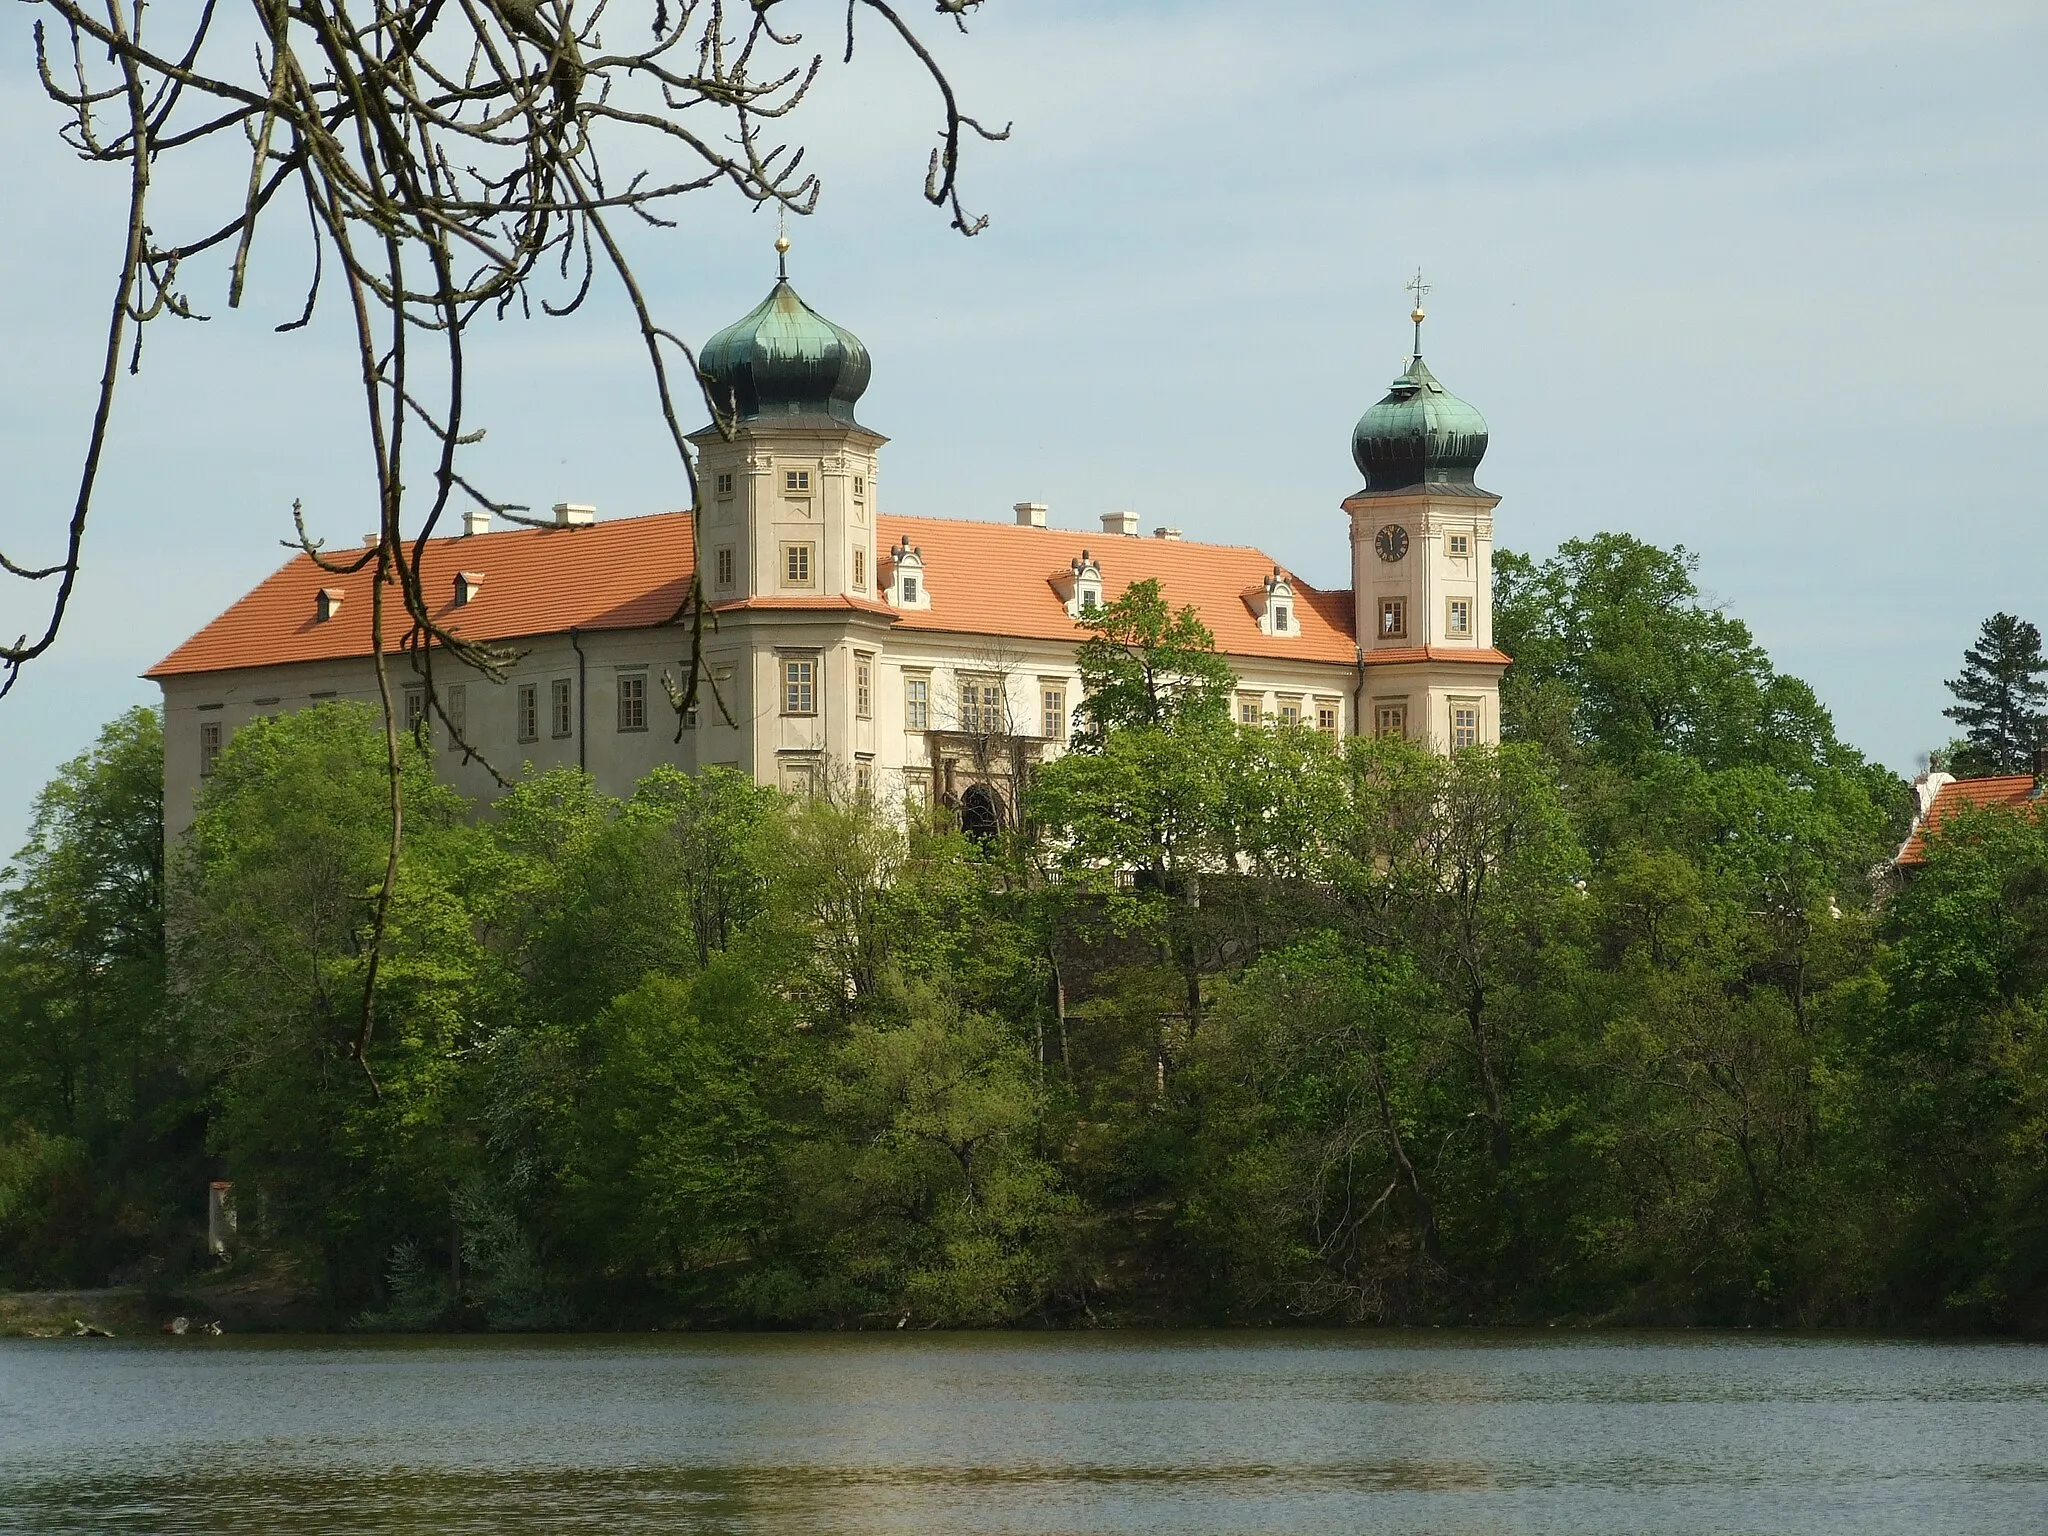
2013,791
981,578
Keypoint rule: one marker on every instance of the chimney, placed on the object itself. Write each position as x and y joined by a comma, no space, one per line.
326,604
1122,523
1171,535
467,585
574,514
1030,514
476,520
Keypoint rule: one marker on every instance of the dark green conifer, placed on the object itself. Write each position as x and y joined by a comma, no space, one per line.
2001,699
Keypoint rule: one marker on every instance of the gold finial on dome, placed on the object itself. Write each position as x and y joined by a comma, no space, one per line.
782,245
1418,287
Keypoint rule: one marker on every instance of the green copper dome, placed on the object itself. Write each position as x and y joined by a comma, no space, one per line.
1421,434
785,359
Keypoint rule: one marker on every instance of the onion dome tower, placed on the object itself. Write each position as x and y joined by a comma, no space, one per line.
784,359
1421,433
1422,564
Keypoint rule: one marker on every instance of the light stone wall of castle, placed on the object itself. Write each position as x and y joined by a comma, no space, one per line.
744,661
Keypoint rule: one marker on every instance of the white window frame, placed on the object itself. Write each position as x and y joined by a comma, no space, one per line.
799,686
917,701
632,701
799,557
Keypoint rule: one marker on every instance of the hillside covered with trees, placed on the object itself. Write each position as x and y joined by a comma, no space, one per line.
1621,1021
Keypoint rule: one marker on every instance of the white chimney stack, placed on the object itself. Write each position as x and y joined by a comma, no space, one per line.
476,520
574,514
1123,524
1030,514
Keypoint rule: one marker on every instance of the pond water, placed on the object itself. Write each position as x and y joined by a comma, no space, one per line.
968,1433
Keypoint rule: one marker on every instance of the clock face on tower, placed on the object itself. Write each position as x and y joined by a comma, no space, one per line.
1392,542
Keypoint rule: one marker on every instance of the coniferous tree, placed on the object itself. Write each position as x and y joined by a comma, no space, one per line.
2001,698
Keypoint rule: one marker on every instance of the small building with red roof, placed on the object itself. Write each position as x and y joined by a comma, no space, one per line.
923,656
1942,797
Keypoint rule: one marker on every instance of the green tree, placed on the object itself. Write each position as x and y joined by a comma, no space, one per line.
1147,666
274,904
94,1087
2001,698
1618,656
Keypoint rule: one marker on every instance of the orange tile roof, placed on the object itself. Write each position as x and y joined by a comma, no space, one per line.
996,579
624,574
2013,791
982,578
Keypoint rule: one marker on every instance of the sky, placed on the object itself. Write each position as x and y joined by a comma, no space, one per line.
1758,279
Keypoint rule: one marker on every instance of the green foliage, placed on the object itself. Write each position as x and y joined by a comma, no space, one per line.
93,1082
1612,1021
2001,699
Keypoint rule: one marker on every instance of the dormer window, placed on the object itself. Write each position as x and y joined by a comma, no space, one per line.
903,580
468,586
326,604
796,480
1272,604
1080,585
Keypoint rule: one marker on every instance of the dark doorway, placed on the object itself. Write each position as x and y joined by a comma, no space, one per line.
981,814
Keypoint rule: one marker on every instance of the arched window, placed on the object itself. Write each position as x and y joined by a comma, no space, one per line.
981,814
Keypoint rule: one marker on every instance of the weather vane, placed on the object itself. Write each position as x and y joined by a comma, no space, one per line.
1417,287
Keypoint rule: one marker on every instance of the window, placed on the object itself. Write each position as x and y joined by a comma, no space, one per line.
796,480
1282,617
917,789
864,779
981,707
1458,617
1458,545
415,706
1090,597
799,687
725,483
860,568
529,712
209,746
1326,717
1290,711
559,699
910,589
633,701
1393,618
458,711
1464,725
1390,720
796,565
723,562
1247,709
863,685
860,487
1052,712
917,703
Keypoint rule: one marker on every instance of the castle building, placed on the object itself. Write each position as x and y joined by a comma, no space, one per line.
885,654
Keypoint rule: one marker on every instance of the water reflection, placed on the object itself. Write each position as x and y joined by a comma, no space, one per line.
1023,1434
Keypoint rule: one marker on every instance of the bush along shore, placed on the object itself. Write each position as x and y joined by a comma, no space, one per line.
1624,1020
